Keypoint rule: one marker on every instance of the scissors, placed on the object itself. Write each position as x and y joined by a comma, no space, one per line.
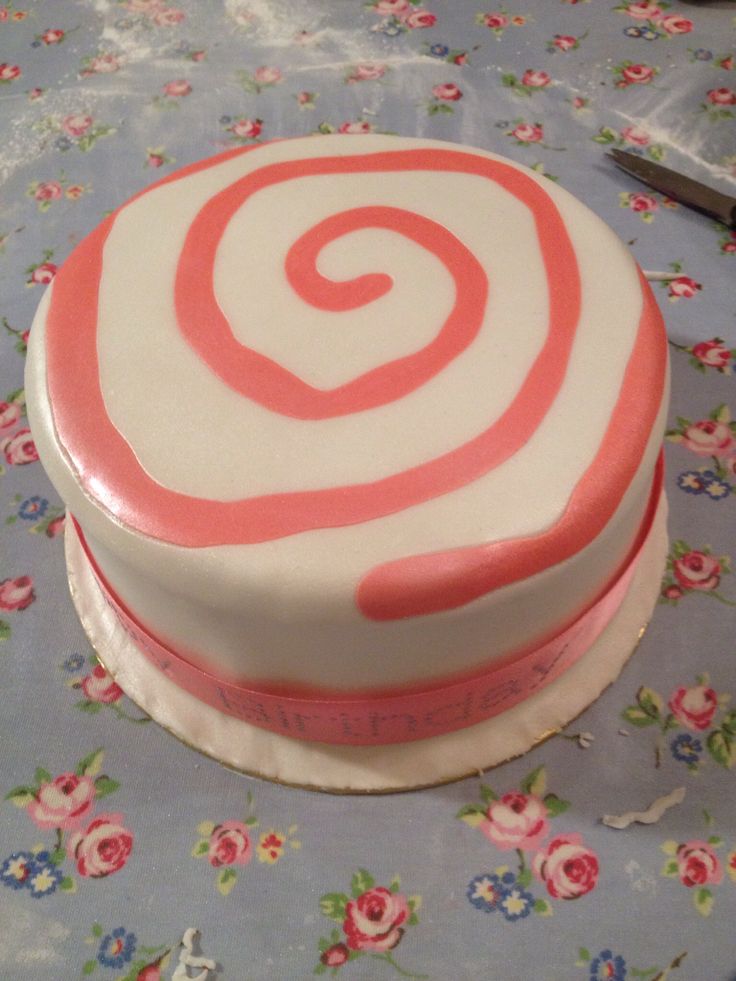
687,191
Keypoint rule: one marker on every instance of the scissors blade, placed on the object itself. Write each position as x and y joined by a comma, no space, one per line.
684,189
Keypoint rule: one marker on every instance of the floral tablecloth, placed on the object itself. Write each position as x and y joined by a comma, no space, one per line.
114,837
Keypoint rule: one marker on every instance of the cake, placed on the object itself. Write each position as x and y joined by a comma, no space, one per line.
360,436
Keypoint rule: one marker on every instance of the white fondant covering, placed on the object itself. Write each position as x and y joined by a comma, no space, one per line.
285,610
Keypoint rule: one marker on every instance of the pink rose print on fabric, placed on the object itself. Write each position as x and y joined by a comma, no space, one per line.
76,130
694,571
16,594
391,8
157,157
41,273
634,139
565,42
19,449
641,203
104,63
267,75
245,130
99,686
629,73
713,353
55,527
63,803
47,191
516,821
306,100
636,135
398,16
696,865
653,23
169,17
373,920
567,867
418,19
494,21
357,128
97,845
697,570
51,36
44,193
527,133
229,845
533,80
713,438
683,287
264,77
719,103
675,24
334,956
709,437
722,97
103,848
498,21
442,97
728,241
698,709
10,413
448,92
151,973
637,74
8,73
76,125
366,71
177,89
172,93
642,11
695,707
520,821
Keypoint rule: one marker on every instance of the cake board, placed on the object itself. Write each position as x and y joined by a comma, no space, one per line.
370,769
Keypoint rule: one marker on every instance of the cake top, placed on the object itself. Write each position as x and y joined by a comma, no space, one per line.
421,342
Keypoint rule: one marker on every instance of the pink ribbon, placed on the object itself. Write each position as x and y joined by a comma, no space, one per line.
404,714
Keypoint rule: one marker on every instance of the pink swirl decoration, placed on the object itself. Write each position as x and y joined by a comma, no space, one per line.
273,386
413,585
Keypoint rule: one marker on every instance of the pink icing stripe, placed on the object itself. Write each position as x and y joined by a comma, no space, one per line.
421,584
265,381
406,714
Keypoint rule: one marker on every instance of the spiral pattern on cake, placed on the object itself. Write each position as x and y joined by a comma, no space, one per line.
364,449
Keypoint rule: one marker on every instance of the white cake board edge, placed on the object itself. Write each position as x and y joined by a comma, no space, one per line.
370,769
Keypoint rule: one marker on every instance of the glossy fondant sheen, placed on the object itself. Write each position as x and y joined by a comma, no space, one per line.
343,416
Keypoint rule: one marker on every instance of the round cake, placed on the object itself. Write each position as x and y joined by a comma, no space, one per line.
360,436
